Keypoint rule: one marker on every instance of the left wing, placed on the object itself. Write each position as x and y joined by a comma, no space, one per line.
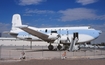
35,33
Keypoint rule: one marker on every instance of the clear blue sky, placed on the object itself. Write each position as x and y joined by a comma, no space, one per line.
49,13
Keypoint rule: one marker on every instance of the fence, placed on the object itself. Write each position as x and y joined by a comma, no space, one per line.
38,52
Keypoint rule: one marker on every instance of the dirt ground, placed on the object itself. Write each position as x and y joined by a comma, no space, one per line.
58,62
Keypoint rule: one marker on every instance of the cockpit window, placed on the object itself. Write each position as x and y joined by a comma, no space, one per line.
90,27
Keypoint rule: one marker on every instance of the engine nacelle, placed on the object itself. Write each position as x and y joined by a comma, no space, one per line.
64,39
53,36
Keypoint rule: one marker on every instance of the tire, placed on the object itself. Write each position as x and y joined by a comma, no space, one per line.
59,47
50,47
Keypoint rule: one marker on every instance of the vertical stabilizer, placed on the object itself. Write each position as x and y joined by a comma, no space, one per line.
16,21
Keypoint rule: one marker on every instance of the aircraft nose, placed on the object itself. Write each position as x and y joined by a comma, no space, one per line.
99,31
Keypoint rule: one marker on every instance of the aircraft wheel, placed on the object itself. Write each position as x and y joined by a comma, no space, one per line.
66,47
59,47
79,47
50,47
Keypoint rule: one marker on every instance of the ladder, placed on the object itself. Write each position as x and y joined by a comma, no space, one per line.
72,44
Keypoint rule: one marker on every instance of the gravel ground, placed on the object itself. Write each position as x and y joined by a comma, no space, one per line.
58,62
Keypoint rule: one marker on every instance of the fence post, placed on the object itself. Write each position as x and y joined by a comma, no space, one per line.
101,51
10,54
42,51
85,52
60,54
23,47
0,51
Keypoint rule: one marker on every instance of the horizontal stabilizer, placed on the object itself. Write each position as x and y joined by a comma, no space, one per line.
21,26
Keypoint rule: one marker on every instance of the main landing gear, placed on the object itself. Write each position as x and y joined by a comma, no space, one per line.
51,47
59,47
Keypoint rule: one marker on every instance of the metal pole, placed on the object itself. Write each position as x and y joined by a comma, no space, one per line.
0,51
30,44
42,51
101,51
23,47
60,55
9,54
85,53
94,48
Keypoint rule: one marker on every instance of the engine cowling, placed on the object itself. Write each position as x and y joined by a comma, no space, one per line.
63,39
53,36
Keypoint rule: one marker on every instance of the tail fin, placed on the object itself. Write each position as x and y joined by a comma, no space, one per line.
16,21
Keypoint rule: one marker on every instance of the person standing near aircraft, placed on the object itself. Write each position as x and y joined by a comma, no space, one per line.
64,55
23,55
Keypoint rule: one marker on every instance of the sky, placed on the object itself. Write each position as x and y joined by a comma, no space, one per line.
55,13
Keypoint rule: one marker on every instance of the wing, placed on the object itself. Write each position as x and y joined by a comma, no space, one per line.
36,33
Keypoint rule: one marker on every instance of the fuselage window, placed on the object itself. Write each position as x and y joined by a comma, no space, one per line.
66,29
59,29
53,31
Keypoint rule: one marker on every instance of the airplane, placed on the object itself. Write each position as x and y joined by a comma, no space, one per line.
68,36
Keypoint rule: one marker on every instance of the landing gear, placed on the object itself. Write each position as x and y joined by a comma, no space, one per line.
50,47
79,47
59,47
65,47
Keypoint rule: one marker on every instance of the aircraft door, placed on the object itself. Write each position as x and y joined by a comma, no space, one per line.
75,35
